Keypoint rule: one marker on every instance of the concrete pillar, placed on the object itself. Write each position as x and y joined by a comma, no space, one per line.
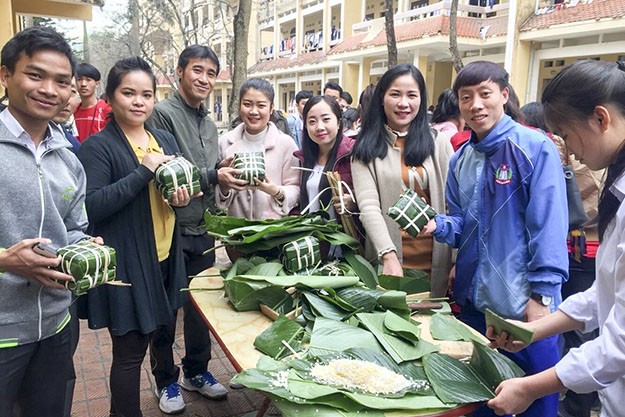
350,79
327,25
518,59
299,30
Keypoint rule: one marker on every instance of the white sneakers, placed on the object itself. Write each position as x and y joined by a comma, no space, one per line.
205,384
170,399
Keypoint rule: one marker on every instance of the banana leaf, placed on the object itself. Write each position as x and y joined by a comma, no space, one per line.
288,408
492,366
329,294
398,348
218,225
268,269
300,396
459,382
395,301
500,324
405,329
271,340
282,302
310,281
416,283
251,236
337,238
244,295
446,327
242,265
321,307
317,410
454,381
363,269
334,336
360,297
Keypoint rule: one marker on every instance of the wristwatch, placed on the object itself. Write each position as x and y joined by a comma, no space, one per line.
544,300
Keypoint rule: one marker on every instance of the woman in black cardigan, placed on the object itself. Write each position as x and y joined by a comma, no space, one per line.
124,208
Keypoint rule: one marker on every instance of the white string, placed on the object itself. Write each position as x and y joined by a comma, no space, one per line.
340,184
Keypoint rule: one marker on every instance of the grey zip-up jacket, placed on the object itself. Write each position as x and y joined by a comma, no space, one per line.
196,135
37,199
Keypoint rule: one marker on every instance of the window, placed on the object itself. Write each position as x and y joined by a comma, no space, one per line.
205,15
418,4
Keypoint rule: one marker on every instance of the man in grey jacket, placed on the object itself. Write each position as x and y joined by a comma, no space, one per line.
41,202
186,117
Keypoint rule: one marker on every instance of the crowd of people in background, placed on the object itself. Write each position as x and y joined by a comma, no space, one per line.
79,167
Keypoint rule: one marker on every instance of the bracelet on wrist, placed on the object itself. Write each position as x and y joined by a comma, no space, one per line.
279,195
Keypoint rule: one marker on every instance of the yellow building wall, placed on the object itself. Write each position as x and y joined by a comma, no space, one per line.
70,10
7,18
442,80
550,67
521,52
349,80
11,9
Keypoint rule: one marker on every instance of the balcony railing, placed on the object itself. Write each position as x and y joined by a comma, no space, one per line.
99,3
436,9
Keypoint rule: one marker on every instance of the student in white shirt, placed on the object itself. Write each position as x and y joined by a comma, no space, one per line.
585,105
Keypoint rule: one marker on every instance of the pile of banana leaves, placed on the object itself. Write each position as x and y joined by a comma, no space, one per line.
266,237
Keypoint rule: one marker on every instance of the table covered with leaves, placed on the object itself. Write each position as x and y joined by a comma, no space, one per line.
347,314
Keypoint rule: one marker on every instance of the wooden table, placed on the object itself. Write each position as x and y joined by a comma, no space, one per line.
235,332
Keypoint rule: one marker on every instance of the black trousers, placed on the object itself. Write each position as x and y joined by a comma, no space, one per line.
74,329
128,354
196,334
581,277
33,377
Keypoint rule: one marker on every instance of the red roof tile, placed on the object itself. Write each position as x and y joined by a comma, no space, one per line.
560,14
288,62
163,80
467,27
224,75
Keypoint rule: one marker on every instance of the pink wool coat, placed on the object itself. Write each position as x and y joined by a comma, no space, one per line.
280,167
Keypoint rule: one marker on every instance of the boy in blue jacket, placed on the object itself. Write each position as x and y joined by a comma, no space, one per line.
508,217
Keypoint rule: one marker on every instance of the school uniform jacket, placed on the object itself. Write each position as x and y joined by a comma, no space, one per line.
508,217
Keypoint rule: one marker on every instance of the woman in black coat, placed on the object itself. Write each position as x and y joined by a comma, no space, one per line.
125,208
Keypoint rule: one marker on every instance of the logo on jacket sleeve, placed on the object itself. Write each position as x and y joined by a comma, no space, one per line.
503,175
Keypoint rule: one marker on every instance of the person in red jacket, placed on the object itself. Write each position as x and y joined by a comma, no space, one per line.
93,112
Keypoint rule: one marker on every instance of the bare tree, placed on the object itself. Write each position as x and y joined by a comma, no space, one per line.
453,37
391,43
238,63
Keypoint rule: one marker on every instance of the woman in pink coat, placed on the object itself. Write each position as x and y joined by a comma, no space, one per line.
278,193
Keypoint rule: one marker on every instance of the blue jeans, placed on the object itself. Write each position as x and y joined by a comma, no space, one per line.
535,358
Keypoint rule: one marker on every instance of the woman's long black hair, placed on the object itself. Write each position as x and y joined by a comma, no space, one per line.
372,143
311,152
572,95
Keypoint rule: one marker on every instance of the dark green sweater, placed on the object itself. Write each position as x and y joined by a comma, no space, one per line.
196,135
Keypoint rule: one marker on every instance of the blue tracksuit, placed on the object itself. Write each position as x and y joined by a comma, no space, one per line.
508,217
